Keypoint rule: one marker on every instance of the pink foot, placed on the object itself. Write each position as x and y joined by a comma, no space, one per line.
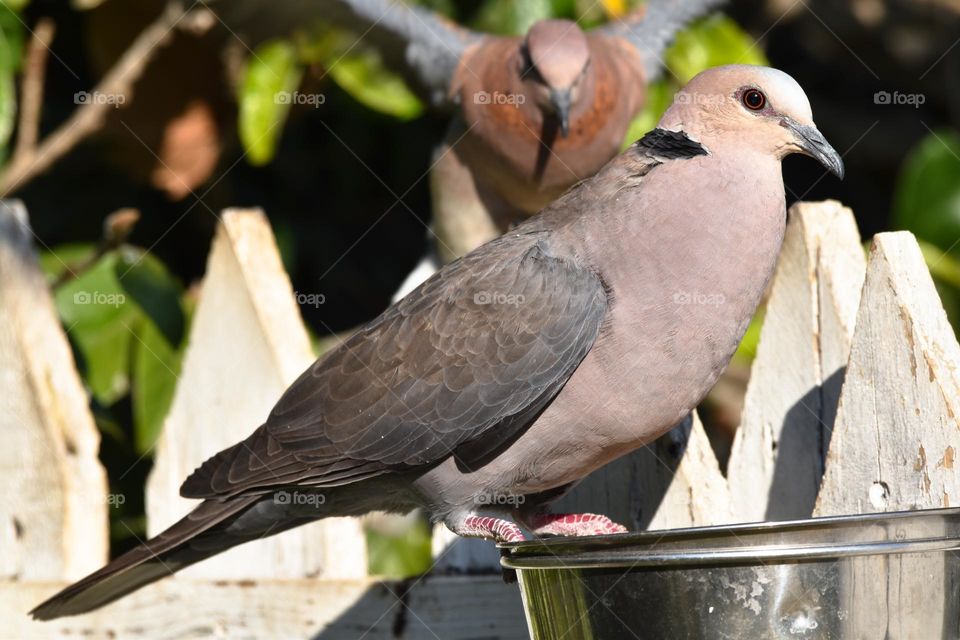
488,528
573,524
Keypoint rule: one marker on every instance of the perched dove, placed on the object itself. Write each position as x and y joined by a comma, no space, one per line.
532,115
579,336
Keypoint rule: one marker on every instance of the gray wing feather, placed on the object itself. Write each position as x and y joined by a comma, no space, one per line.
461,366
652,28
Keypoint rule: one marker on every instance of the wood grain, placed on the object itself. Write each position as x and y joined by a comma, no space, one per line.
53,509
776,462
247,343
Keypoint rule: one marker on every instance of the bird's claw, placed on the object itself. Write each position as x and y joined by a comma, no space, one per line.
573,524
497,529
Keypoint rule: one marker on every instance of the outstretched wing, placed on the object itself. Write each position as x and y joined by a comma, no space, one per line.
652,27
459,367
422,46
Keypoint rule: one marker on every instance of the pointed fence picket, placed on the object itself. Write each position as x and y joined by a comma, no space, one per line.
852,407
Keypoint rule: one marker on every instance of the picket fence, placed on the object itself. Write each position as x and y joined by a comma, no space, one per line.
852,407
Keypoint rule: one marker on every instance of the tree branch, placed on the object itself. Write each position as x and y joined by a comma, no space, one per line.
90,116
31,89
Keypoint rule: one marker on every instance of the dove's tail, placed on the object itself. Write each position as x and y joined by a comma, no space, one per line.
212,527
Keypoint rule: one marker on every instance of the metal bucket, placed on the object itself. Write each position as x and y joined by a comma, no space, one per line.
883,576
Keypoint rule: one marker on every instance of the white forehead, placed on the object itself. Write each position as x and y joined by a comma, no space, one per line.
783,92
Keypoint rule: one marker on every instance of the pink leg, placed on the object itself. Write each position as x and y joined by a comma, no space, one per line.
488,528
573,524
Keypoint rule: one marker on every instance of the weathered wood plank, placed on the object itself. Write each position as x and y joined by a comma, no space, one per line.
777,457
247,343
53,508
897,430
178,608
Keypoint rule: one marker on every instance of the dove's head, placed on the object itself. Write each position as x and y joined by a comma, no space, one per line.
748,105
554,60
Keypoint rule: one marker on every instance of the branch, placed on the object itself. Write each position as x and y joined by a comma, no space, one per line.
31,90
90,116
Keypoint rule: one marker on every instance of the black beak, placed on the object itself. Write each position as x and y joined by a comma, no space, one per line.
813,144
560,99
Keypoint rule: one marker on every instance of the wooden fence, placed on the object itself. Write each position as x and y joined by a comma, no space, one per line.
851,407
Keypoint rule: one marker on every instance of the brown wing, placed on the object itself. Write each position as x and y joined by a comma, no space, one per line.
458,367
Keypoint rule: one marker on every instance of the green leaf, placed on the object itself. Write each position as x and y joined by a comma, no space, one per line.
927,194
15,5
508,17
369,82
56,261
710,42
747,350
267,89
148,283
99,317
401,555
659,97
155,372
11,49
942,265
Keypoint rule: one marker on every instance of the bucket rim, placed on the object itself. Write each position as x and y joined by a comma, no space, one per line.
899,532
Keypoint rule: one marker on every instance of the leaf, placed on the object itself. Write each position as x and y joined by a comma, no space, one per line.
370,83
747,349
659,97
942,265
508,17
56,261
11,49
927,194
155,372
710,42
267,89
148,283
400,556
98,316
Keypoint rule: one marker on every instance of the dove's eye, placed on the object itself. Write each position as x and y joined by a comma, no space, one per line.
754,99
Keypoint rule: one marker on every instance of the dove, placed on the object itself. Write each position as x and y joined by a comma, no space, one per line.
584,333
530,116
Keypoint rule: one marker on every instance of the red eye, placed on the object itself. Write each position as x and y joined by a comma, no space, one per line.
754,99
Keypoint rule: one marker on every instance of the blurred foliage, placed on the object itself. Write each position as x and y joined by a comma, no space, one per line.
11,53
927,203
270,79
124,316
360,73
927,199
401,551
